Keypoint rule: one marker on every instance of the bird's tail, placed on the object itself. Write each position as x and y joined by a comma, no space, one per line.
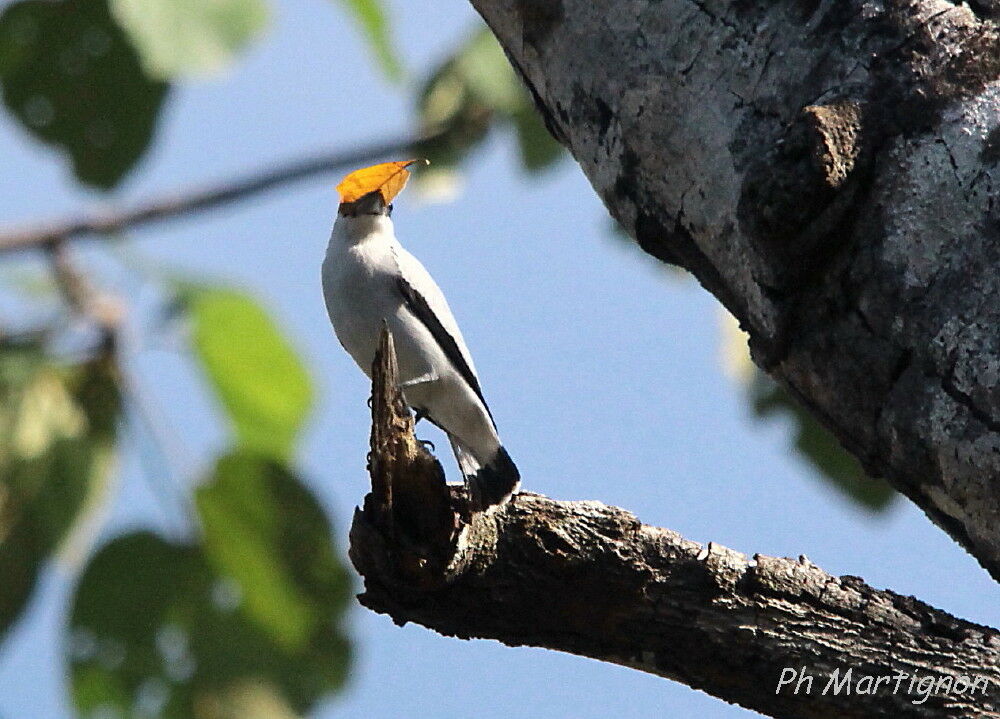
489,484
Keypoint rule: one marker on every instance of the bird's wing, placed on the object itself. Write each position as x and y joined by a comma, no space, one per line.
427,303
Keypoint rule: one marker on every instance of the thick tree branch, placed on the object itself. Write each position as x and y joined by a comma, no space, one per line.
181,204
592,580
829,171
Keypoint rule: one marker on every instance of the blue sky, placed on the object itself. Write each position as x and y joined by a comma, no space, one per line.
601,367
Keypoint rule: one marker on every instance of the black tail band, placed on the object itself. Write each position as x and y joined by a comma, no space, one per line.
494,483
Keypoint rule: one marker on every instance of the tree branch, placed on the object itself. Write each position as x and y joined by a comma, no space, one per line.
180,204
103,309
588,579
829,171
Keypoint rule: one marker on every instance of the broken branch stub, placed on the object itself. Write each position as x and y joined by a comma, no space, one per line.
408,527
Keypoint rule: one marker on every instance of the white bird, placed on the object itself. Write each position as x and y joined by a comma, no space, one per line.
368,279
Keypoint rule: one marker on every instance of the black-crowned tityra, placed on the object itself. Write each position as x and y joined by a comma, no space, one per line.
370,279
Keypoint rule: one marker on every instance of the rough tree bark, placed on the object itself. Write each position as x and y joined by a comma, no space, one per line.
826,168
592,580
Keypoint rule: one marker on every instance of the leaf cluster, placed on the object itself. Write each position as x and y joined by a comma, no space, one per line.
242,615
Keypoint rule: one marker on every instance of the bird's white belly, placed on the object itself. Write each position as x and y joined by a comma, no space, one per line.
429,383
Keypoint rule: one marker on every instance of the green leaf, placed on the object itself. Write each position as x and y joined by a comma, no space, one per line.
818,446
177,38
177,630
469,95
458,118
813,442
539,150
267,533
57,434
372,18
254,370
132,624
72,79
467,90
488,75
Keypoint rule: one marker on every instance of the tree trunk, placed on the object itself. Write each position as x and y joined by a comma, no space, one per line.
776,635
826,169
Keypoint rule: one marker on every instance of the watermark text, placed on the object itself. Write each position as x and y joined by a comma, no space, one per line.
920,687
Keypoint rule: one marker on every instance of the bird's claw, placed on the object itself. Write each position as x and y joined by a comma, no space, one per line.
426,443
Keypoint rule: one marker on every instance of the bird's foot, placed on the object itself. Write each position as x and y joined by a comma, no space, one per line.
427,443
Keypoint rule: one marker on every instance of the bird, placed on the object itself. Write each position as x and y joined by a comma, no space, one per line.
371,281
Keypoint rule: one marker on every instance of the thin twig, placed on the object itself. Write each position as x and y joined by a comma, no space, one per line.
107,312
171,487
82,296
179,204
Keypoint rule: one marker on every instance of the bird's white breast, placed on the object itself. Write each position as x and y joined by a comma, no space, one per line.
357,287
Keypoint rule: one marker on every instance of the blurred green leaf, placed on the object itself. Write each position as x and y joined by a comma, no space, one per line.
184,630
253,368
72,79
57,435
813,441
817,445
539,149
176,38
372,18
471,93
266,532
487,73
447,106
34,283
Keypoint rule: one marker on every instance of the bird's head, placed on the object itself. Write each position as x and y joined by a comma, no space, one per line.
371,204
371,190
